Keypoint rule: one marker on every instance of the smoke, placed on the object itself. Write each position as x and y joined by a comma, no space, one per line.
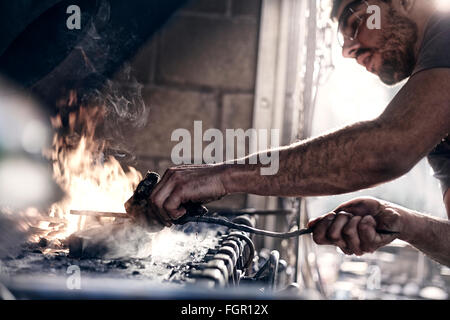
122,95
11,236
127,240
124,112
123,100
14,231
112,241
85,81
175,246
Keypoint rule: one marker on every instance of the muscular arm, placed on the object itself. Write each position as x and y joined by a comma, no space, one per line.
428,234
361,155
356,157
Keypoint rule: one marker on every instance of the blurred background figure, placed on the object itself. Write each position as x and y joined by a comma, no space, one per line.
25,174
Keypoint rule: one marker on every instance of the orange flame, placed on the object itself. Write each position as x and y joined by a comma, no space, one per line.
89,181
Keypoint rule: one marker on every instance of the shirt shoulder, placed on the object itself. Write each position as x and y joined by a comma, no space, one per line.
439,160
435,49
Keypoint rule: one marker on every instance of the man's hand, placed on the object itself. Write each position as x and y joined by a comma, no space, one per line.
199,184
352,226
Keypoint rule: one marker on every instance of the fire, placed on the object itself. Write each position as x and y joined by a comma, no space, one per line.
90,181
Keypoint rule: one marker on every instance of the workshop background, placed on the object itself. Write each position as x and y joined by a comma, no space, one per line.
200,67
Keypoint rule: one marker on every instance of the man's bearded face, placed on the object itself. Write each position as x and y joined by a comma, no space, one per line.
396,47
387,52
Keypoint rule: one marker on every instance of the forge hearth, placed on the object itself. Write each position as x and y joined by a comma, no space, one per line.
50,257
194,255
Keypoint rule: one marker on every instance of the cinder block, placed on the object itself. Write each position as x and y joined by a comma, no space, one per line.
209,52
237,111
246,7
171,109
207,6
163,165
144,164
153,164
143,63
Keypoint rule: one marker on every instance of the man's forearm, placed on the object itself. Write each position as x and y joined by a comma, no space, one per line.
350,159
428,234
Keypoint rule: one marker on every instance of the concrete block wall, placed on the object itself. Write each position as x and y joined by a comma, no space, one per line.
200,66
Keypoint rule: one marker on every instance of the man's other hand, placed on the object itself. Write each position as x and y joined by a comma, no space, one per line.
352,226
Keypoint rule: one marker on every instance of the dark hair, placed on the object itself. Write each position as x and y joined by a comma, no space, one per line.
334,9
337,3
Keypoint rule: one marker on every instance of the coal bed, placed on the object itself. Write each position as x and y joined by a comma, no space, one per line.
193,256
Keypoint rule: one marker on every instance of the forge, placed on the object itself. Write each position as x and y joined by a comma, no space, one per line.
190,257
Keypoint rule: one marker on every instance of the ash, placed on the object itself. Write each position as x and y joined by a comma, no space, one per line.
168,257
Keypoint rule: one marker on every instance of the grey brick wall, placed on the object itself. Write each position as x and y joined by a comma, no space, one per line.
200,66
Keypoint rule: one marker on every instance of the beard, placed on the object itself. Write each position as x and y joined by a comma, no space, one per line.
397,48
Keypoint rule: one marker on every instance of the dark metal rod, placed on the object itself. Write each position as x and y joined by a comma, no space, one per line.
242,227
249,211
100,214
